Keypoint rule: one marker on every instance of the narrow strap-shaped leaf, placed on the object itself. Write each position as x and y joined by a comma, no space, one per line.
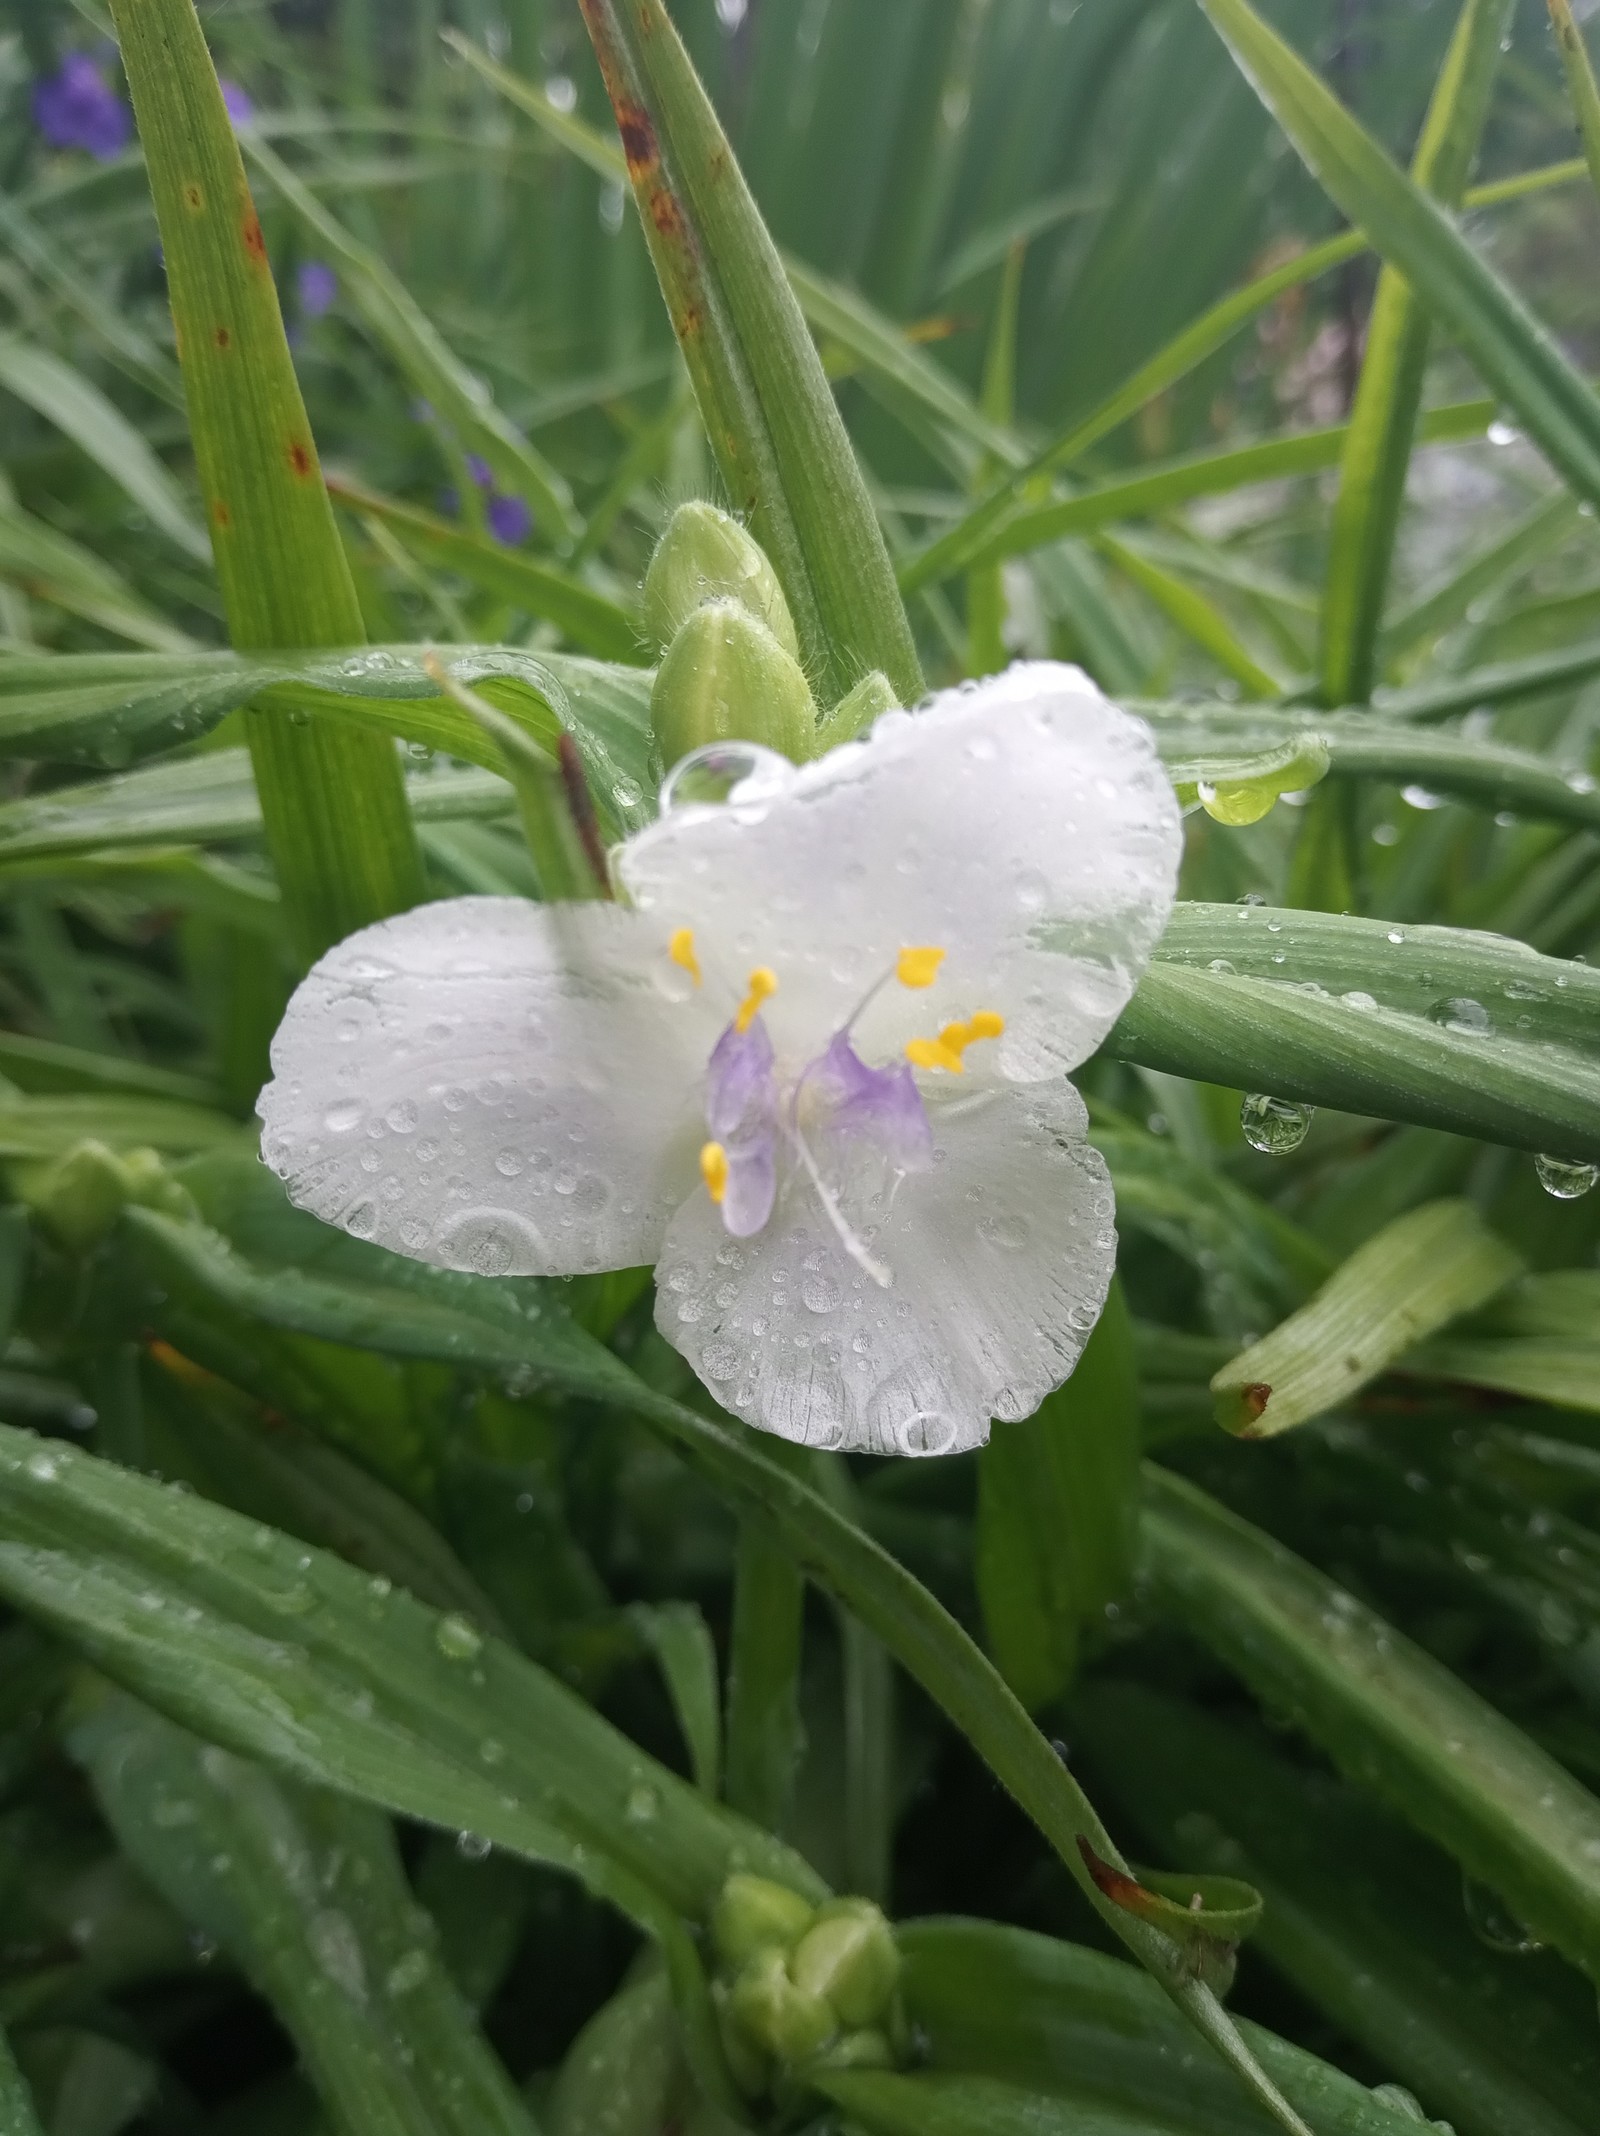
1377,451
1428,1267
768,410
306,1893
1517,356
17,2115
1389,1713
1581,86
332,802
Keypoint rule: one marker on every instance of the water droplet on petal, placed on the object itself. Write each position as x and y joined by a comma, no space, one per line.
1274,1125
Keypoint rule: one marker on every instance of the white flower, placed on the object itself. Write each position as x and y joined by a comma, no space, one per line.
815,1066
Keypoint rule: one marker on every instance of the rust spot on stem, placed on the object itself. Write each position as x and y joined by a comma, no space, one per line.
220,514
1115,1884
300,460
255,244
193,198
222,337
665,212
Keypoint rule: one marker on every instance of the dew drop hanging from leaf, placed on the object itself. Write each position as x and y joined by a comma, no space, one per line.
1275,1126
1564,1178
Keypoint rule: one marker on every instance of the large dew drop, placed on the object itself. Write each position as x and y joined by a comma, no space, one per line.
742,774
1461,1013
1274,1125
1565,1177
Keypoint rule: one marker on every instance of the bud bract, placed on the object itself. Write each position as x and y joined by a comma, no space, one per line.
848,1959
857,709
775,2013
753,1913
726,678
706,556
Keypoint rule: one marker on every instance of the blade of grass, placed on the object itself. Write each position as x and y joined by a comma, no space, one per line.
333,803
1387,1712
1516,355
1377,453
1581,86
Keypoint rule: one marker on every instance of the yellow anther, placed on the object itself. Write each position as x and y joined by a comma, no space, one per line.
714,1170
763,983
918,967
681,950
946,1050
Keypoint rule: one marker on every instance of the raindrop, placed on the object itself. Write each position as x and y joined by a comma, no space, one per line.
1565,1177
457,1637
473,1847
1274,1125
1420,797
407,1973
642,1804
1461,1013
740,774
1493,1922
1501,432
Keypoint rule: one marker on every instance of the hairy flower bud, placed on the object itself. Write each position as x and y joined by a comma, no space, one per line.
706,556
848,1959
858,708
726,678
753,1913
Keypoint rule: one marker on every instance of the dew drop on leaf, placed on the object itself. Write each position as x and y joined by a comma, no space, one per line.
1564,1177
1493,1922
1274,1126
1461,1013
457,1638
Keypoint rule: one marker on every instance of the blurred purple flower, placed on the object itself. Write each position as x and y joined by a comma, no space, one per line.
241,107
510,520
77,108
318,285
480,470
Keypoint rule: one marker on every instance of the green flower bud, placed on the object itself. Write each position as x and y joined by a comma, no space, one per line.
79,1197
772,2012
753,1914
866,2048
848,1958
858,708
725,678
705,556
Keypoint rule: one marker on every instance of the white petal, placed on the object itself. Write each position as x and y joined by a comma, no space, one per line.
493,1085
1006,815
1001,1255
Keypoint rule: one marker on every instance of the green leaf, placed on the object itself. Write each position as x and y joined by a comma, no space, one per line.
594,623
196,800
680,1639
52,567
306,1893
1057,1508
38,1128
1366,1924
767,408
766,1650
1377,454
400,325
1267,1034
1502,683
1384,1711
77,407
1196,617
332,1286
17,2116
333,803
1513,352
110,709
240,1633
1062,2033
1581,86
1236,788
1426,1268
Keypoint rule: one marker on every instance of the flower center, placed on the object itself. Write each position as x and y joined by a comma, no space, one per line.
837,1115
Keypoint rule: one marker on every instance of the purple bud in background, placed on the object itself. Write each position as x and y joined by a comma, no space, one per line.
77,108
480,470
510,520
241,108
317,285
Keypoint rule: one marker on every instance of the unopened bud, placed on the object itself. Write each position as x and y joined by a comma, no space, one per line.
725,678
866,2048
752,1913
79,1198
848,1958
776,2014
706,556
858,708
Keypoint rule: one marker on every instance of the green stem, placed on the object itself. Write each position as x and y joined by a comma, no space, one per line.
764,1675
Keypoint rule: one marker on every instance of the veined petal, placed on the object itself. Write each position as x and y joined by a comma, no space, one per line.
1001,1254
1022,824
493,1085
